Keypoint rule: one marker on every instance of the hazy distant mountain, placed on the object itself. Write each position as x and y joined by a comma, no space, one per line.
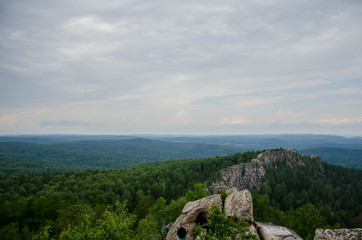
339,156
253,142
32,153
23,157
262,141
49,139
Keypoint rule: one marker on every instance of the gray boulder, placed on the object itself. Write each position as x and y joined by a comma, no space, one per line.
239,204
269,231
338,234
219,189
195,212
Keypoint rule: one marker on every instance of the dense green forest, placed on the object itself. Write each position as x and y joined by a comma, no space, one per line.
134,202
49,154
26,158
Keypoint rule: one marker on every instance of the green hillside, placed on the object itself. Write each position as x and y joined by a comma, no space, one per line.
25,158
49,153
133,202
152,149
339,156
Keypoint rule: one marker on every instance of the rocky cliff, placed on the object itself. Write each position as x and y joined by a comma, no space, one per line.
249,175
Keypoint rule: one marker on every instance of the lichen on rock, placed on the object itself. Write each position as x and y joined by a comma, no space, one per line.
338,234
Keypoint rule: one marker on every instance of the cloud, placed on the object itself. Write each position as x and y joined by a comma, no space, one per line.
348,91
341,121
288,117
182,118
82,25
294,118
151,65
233,121
88,49
64,123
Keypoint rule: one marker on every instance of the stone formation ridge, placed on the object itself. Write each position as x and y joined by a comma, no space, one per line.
236,180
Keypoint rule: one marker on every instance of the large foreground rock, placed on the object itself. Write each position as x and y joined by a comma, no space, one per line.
269,231
240,204
237,203
338,234
195,212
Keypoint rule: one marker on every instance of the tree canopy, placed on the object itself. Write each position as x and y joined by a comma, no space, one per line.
134,202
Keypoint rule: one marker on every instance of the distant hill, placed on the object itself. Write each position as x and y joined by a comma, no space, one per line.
269,141
250,142
152,149
25,158
50,139
339,150
47,153
339,156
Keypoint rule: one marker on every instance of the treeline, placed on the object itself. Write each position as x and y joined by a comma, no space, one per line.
134,202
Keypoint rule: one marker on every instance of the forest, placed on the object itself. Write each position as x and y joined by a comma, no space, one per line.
27,158
134,202
39,154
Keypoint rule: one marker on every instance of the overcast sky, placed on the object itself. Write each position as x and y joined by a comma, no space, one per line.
180,67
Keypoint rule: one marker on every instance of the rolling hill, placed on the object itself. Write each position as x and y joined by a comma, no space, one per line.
48,153
25,158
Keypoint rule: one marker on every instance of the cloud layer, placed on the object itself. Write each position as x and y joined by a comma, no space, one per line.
195,67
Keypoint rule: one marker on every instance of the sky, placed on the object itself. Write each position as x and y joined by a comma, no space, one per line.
180,67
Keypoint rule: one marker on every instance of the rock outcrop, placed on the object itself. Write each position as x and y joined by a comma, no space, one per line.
249,175
244,175
272,158
237,203
269,231
219,189
338,234
195,212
